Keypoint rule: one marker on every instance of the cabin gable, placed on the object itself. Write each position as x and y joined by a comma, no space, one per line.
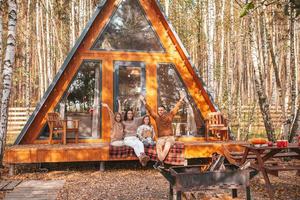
162,48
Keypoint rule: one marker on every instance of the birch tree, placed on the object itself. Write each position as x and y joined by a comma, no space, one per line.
210,44
259,81
292,70
27,58
9,61
39,49
1,43
222,51
72,24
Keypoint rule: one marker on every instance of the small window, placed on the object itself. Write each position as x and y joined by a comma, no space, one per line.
188,120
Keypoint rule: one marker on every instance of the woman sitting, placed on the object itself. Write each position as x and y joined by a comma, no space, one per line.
146,132
117,128
130,130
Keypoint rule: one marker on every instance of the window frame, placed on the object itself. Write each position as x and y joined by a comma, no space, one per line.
117,65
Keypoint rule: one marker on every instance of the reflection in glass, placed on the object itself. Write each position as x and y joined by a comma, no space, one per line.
188,120
129,29
82,100
130,85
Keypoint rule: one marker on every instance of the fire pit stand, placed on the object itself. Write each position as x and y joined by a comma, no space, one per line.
194,178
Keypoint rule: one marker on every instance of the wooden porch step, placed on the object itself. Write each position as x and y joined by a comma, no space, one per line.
35,189
9,184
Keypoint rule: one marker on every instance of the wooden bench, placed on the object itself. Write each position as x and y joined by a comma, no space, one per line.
239,155
236,157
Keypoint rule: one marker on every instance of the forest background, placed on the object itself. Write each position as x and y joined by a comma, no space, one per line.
247,52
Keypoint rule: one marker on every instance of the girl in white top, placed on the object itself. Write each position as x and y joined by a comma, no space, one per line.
146,132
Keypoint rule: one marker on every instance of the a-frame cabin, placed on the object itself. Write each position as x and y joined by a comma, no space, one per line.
128,48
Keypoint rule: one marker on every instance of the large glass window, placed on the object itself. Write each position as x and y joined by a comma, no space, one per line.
81,101
129,30
129,85
188,120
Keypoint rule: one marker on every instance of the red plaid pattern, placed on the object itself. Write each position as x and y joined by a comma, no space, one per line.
174,157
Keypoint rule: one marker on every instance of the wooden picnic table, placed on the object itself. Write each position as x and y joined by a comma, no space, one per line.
263,154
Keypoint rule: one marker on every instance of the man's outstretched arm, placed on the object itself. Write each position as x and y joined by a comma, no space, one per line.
150,110
178,104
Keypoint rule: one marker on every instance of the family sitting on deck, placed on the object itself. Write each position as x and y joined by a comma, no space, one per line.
138,131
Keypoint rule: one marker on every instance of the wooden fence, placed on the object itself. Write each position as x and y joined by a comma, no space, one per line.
250,120
17,118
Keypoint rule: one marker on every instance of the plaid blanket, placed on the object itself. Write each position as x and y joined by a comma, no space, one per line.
174,157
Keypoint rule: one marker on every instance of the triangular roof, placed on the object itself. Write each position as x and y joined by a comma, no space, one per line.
85,42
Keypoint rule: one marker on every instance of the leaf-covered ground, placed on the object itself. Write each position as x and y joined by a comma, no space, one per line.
127,180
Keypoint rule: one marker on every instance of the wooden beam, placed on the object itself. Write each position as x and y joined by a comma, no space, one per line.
151,88
128,56
107,96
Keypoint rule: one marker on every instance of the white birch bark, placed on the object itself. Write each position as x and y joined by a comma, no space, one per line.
1,41
9,61
39,57
167,5
43,52
270,49
211,17
81,15
230,60
48,49
27,58
72,27
55,33
259,82
292,66
222,52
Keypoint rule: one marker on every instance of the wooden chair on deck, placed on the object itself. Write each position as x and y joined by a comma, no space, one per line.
59,126
217,125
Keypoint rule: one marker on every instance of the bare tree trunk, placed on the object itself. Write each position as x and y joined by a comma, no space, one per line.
48,49
230,61
1,45
210,45
167,4
292,70
222,53
40,61
72,27
259,82
27,58
9,62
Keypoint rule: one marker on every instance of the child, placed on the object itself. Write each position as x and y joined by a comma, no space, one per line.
117,128
146,132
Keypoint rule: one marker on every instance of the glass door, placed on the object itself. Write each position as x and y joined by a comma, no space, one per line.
129,84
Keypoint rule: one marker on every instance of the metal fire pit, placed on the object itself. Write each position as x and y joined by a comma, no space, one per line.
194,178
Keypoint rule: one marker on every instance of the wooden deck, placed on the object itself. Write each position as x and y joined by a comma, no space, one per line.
45,153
